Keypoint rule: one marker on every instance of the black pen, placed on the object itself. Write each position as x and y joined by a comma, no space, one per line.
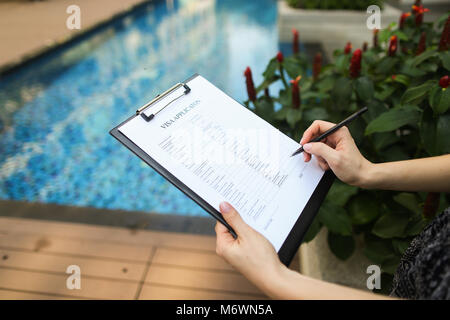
334,129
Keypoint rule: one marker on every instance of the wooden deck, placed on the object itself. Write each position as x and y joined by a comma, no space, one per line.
115,263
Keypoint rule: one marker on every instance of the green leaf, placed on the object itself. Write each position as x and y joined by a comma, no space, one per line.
293,67
271,69
409,201
364,88
390,225
342,92
313,230
400,78
445,58
415,225
378,250
318,113
342,63
434,132
400,245
342,246
293,116
385,93
394,119
423,56
416,93
326,84
335,218
386,65
264,108
340,193
412,71
363,209
390,265
382,140
440,102
281,114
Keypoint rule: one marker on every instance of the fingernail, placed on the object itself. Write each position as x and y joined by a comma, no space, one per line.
307,147
225,207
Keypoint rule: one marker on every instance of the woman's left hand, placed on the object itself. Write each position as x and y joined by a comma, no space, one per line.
251,253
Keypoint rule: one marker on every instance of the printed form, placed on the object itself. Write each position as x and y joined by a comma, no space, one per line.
224,152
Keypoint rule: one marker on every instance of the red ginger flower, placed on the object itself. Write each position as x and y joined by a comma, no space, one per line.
444,43
296,101
295,45
348,48
250,85
419,10
317,65
402,19
422,43
375,38
365,46
280,57
355,63
444,82
392,46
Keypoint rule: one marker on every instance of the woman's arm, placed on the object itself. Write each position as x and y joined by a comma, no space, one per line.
340,153
254,256
427,174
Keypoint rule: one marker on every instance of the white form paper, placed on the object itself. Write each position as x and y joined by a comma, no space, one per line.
224,152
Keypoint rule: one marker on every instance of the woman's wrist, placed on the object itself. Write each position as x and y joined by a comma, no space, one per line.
278,283
368,176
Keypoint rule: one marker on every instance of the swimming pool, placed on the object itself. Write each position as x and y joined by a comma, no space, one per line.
55,113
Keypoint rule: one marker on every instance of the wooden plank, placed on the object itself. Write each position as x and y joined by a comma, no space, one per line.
19,295
56,284
107,234
75,247
193,259
154,292
199,279
38,261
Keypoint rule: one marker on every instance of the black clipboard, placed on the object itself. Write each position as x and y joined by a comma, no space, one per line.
295,236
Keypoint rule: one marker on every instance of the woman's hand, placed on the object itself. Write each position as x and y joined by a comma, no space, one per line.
337,152
251,253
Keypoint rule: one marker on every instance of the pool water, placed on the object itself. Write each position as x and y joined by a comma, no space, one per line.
55,112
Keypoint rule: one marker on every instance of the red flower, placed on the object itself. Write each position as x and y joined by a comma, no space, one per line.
280,57
392,46
393,76
317,65
422,44
348,48
295,46
375,38
418,11
250,85
402,19
296,101
444,44
365,45
355,63
444,82
431,205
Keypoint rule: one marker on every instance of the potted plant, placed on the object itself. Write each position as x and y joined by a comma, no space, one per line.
402,77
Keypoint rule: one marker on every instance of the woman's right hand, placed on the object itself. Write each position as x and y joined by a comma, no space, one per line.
337,152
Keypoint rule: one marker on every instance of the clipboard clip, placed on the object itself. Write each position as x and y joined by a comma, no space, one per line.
147,118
